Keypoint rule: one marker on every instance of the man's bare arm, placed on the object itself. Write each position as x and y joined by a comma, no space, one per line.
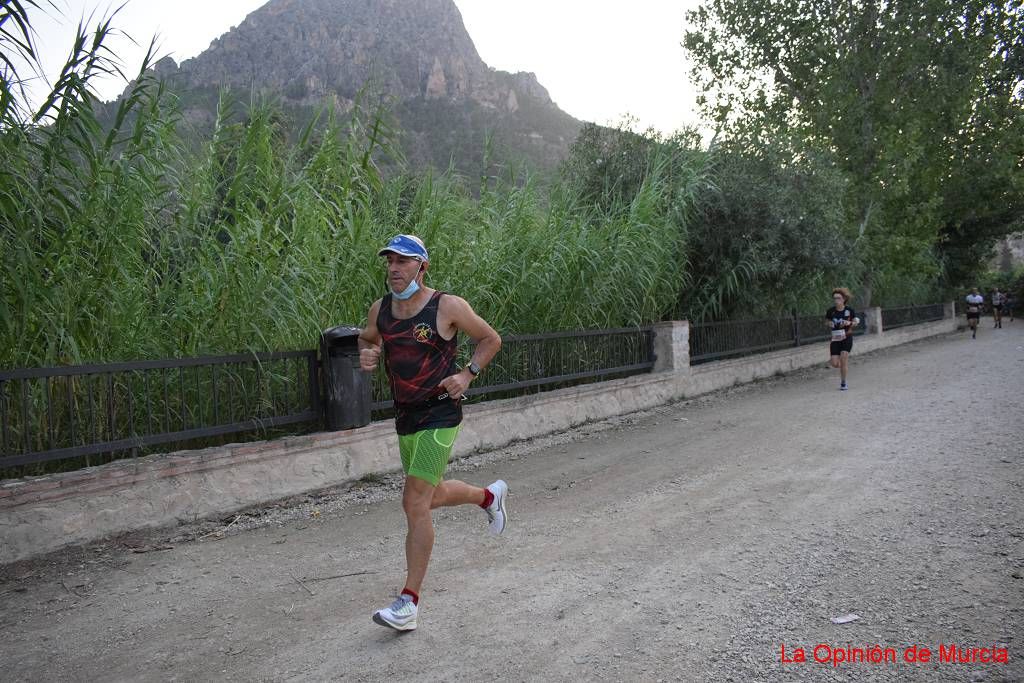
369,340
488,342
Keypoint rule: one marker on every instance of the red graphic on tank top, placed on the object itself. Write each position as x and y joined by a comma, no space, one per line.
422,332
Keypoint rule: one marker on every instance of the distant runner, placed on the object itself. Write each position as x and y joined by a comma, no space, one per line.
998,302
841,320
974,303
418,329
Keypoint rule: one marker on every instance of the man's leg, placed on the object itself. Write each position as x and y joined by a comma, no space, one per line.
424,458
417,501
419,540
454,492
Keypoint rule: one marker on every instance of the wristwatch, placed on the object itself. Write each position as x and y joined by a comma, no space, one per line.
473,368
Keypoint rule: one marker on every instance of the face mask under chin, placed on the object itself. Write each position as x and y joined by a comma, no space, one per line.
408,292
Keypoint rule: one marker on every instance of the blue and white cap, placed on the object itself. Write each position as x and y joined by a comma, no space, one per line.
406,245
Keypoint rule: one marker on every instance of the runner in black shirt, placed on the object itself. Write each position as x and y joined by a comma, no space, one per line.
841,320
998,301
415,328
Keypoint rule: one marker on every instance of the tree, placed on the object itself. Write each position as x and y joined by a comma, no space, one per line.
1005,258
765,235
918,104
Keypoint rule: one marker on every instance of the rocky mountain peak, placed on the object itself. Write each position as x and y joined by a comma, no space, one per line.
310,49
417,52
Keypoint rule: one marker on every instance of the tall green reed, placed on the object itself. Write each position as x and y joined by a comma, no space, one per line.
123,241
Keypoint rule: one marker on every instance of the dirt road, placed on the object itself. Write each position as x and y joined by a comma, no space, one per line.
687,543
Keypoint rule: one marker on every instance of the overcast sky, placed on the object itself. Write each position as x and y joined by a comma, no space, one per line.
599,61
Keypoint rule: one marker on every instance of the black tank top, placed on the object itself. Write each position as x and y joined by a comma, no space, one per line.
417,359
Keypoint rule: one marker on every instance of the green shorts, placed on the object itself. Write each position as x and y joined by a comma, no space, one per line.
425,453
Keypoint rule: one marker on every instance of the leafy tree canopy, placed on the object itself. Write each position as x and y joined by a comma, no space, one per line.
918,104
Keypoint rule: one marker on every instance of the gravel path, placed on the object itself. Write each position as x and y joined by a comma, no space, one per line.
689,543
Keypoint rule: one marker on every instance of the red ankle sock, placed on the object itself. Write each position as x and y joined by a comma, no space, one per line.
412,594
488,499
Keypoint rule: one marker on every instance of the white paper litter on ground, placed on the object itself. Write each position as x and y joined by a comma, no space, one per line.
845,619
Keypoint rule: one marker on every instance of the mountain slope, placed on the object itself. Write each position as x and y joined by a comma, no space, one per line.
415,52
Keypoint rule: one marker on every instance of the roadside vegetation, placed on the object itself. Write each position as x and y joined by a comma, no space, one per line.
123,237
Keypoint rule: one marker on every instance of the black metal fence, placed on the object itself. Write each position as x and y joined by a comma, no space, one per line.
736,338
60,413
63,413
893,318
534,361
114,410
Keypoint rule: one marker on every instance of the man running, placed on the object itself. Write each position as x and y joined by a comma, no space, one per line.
418,329
998,301
974,302
841,320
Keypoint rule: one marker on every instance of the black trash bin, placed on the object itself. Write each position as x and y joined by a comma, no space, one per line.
347,392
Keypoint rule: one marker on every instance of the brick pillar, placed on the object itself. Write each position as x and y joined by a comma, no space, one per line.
672,346
949,310
873,320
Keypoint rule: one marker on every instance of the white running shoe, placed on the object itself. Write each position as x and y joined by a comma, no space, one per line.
400,615
497,514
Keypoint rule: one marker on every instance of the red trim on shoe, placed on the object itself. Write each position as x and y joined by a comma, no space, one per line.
412,594
488,499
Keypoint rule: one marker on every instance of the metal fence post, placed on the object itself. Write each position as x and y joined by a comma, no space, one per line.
347,393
